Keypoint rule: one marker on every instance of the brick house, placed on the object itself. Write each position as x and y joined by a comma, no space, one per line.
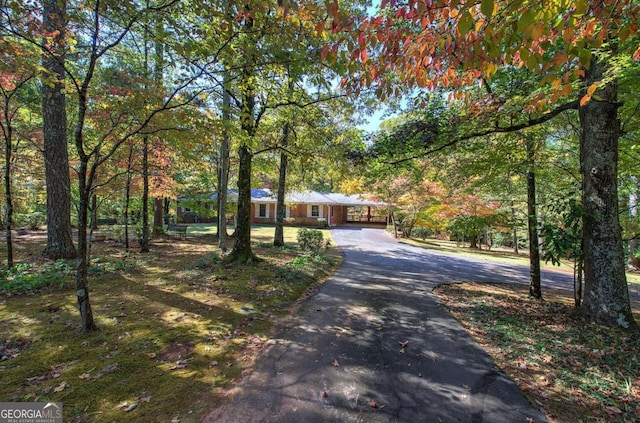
311,208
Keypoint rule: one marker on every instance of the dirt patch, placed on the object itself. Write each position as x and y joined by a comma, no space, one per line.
176,351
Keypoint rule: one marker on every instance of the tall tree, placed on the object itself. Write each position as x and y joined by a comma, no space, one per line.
54,114
14,79
224,165
281,209
535,287
99,31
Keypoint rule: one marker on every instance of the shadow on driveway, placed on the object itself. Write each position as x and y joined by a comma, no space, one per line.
375,345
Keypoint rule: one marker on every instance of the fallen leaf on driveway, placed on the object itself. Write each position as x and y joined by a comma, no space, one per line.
335,363
373,404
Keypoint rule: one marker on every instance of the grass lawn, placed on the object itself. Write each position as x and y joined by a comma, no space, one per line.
177,325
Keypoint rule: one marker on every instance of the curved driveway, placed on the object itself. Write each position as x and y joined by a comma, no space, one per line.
375,345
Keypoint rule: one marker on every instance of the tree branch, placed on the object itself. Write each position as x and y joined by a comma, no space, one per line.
573,105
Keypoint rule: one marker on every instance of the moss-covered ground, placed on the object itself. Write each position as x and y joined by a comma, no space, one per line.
177,325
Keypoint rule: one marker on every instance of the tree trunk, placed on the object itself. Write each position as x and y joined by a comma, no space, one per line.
144,238
158,217
281,209
516,249
7,184
224,165
535,289
158,22
578,271
127,199
242,252
395,226
82,277
93,224
606,298
473,240
166,203
242,246
54,117
633,262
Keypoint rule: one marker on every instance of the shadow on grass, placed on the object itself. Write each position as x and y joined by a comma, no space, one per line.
174,328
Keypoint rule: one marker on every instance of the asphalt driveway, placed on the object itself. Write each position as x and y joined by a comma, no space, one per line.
375,345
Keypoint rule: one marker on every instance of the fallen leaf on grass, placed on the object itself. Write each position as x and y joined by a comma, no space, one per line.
180,364
111,368
131,407
85,376
60,387
144,397
152,355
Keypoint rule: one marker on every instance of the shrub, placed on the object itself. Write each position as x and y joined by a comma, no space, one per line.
322,222
420,232
310,240
31,220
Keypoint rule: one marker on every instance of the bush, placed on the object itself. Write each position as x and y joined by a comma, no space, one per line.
31,220
420,232
322,222
310,240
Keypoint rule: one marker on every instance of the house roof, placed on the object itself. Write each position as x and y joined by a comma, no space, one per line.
265,195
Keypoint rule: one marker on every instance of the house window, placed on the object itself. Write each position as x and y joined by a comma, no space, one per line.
262,211
314,210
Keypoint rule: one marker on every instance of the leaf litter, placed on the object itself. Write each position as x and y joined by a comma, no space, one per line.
572,369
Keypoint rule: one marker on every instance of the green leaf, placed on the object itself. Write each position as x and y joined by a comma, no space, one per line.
525,20
465,23
585,57
487,8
